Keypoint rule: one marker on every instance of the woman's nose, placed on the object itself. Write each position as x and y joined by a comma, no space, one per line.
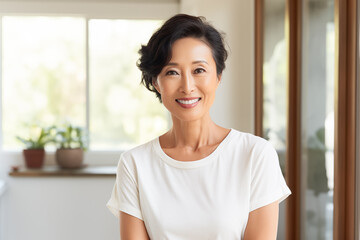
187,84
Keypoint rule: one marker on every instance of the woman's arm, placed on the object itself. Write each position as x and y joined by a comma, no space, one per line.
132,228
262,223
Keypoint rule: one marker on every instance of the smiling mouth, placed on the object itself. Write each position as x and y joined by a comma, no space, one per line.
188,102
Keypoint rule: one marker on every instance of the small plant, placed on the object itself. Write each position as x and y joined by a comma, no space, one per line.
34,152
39,137
71,142
71,136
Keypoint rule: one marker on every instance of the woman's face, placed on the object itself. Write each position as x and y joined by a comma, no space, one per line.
188,83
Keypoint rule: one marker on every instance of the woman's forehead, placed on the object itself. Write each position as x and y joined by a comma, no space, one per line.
190,50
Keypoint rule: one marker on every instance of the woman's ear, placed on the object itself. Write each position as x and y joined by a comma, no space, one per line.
219,78
155,84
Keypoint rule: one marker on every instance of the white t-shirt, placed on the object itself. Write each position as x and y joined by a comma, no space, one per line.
209,198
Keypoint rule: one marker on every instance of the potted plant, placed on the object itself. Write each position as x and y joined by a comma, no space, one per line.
71,142
34,151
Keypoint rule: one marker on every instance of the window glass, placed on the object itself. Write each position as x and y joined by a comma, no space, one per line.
43,73
123,113
318,119
44,79
274,77
274,86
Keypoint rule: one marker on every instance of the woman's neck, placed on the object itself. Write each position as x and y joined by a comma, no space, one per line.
192,134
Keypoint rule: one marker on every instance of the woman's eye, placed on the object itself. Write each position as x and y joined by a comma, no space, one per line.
171,72
199,70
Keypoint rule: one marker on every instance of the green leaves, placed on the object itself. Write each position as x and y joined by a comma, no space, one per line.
67,136
71,136
40,136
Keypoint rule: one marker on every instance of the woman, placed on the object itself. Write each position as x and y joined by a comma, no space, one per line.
198,180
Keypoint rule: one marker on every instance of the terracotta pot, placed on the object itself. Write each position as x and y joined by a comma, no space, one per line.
34,158
69,157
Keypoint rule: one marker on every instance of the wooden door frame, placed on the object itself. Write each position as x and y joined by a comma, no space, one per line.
293,31
345,119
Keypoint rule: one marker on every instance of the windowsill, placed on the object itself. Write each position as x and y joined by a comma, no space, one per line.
56,171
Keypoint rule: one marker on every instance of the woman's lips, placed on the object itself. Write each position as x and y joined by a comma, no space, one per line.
188,102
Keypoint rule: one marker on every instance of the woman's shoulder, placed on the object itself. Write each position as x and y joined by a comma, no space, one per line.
253,148
137,158
139,152
141,149
248,139
248,143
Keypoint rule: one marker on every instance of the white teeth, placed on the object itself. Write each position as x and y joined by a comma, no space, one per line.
188,101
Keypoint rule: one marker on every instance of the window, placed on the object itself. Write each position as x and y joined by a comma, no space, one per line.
74,69
122,114
44,75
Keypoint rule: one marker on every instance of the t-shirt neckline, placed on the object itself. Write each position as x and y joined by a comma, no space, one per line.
190,164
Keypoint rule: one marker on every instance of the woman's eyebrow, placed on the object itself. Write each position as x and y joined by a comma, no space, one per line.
194,62
200,61
172,64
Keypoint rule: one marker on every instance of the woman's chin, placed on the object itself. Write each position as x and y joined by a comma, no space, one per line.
189,117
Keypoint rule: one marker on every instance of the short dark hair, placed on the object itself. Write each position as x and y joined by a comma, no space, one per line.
157,53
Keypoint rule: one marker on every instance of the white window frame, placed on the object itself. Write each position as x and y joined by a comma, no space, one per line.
111,9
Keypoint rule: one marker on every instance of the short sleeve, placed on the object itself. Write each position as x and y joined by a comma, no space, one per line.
125,194
267,182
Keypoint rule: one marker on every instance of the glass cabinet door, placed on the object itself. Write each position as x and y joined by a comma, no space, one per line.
317,123
274,123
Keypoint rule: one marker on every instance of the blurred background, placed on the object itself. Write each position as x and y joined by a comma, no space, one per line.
65,61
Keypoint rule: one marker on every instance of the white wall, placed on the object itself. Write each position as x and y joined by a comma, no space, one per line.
55,208
59,208
74,208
